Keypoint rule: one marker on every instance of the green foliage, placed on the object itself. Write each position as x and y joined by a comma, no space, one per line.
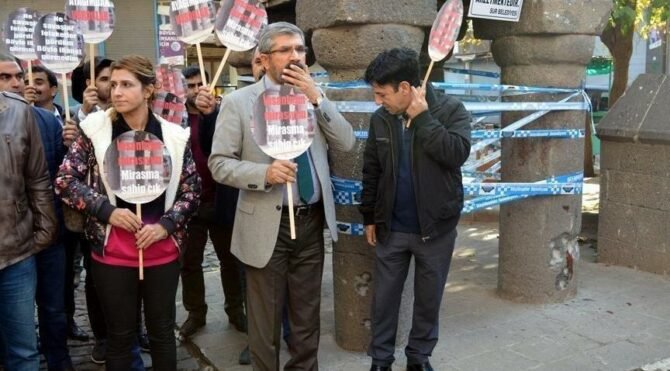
641,15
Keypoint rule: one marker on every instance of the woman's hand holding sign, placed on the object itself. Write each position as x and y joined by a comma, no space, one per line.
126,219
149,234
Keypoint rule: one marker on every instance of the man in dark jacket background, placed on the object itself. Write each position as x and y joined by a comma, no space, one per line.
27,219
411,201
214,218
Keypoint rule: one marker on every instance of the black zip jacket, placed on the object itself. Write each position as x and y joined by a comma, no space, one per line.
440,146
225,198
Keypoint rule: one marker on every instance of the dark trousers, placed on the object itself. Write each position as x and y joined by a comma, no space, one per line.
431,260
193,283
119,290
293,275
95,316
71,241
51,306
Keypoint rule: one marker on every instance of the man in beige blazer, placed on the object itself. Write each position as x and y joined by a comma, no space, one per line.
277,267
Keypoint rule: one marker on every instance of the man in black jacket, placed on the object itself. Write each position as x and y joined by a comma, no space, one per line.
411,202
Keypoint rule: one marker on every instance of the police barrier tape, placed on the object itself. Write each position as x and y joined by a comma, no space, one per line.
521,123
370,107
474,165
461,71
537,133
497,133
500,88
347,192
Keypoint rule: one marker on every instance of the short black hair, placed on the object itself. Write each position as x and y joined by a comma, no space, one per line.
53,81
191,71
393,67
100,64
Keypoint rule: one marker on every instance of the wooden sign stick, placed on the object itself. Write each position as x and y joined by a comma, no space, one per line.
141,255
219,70
289,189
423,84
30,72
66,101
91,53
201,64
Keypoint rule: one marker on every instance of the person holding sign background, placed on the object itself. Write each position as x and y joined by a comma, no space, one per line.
93,97
214,219
46,85
112,227
274,263
403,171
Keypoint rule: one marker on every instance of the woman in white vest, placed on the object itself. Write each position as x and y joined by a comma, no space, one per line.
114,230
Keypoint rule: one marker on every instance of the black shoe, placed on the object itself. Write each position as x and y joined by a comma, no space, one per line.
143,341
76,333
191,326
99,352
420,367
380,368
239,321
245,357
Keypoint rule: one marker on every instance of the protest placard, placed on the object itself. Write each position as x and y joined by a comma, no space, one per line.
283,125
137,169
18,35
193,21
238,25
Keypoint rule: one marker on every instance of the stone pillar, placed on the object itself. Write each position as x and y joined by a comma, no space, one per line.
549,46
241,61
346,36
634,220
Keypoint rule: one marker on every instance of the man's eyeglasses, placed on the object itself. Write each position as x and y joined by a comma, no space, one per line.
194,85
286,50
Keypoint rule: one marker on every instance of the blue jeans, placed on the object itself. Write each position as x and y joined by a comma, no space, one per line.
17,324
51,306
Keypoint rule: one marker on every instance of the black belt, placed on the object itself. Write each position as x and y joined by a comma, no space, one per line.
304,210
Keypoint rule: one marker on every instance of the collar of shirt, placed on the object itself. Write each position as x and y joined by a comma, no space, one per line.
268,83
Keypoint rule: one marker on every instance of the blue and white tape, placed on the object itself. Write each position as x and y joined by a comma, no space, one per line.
462,71
501,88
354,229
566,184
475,164
536,133
341,184
346,192
370,107
480,175
497,133
529,189
521,123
